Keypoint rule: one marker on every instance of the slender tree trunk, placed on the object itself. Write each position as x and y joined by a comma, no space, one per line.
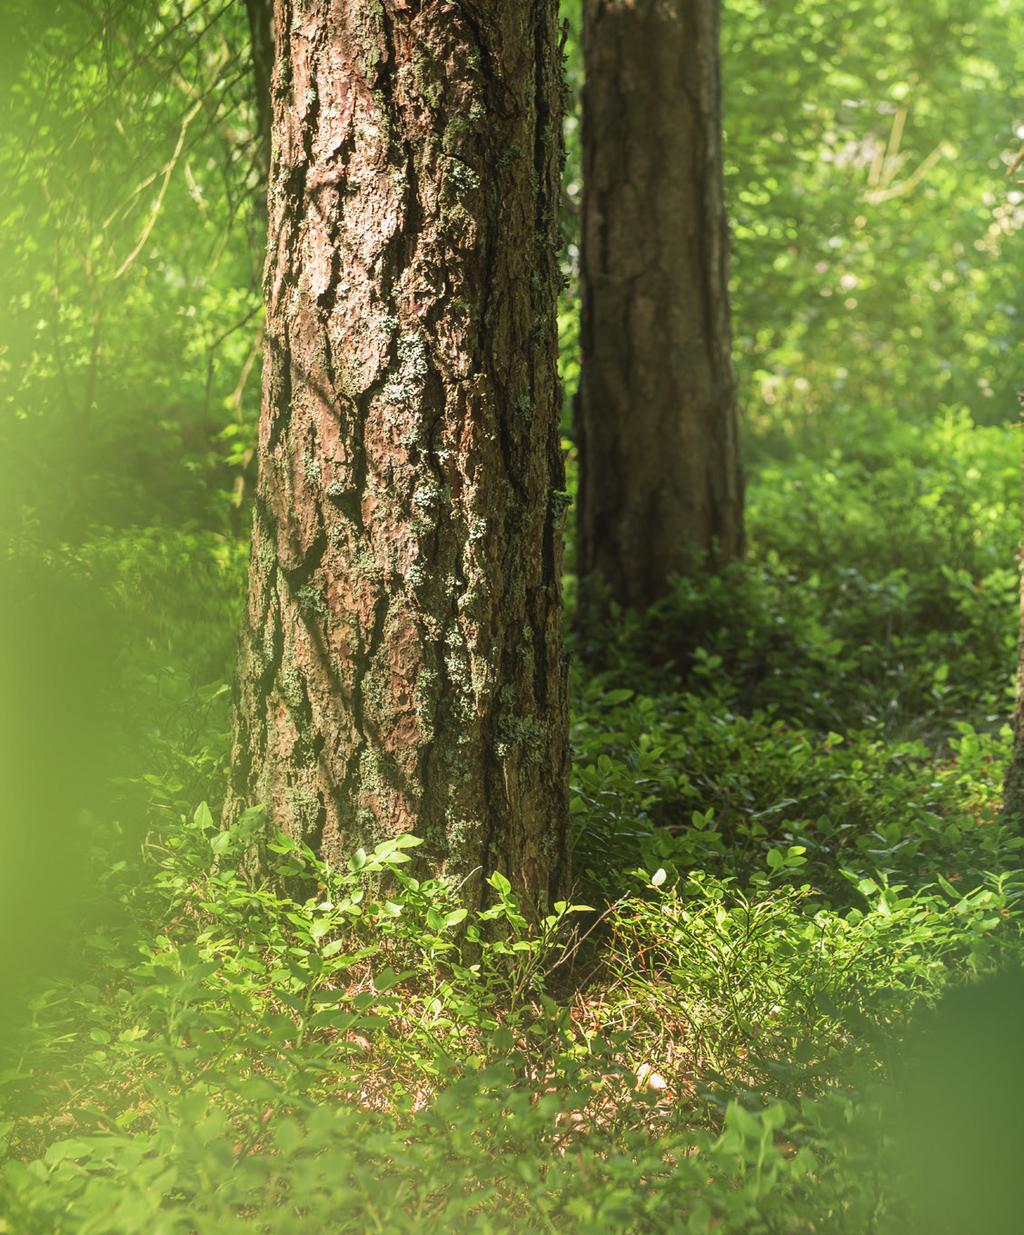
660,480
401,667
261,55
1013,786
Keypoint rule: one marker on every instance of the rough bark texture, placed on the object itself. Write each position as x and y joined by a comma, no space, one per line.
660,475
401,666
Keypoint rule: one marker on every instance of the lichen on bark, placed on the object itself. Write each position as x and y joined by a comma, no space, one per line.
401,666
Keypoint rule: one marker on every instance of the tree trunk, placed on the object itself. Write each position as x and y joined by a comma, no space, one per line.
401,667
1013,785
261,56
660,480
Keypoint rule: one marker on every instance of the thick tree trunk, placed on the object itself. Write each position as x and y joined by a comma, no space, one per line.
401,668
660,480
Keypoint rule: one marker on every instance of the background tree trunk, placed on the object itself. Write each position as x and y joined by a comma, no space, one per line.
1013,785
401,667
261,54
660,477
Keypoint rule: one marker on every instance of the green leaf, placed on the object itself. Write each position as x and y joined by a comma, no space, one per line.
62,1150
502,1039
385,980
334,1018
614,697
407,841
500,884
221,842
288,1135
203,817
741,1120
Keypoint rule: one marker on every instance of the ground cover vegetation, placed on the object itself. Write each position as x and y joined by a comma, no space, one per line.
788,841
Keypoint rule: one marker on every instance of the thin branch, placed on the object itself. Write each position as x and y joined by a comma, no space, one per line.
168,170
912,181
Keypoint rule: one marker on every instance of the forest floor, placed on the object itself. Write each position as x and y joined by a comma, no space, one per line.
786,797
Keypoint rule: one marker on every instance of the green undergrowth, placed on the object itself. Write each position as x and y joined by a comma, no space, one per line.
786,804
381,1061
879,591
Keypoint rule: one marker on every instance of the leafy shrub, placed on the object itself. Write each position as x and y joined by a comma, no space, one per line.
342,1063
773,987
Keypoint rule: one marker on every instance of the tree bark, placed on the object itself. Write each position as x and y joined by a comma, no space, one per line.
401,666
660,480
261,56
